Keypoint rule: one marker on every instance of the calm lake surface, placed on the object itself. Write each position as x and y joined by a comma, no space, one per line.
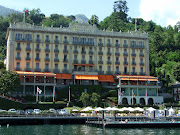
83,130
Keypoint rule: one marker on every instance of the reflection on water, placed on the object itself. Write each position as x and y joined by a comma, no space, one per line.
83,130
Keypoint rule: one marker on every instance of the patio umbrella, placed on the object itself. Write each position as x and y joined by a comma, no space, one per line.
130,109
114,109
171,111
108,109
139,109
75,110
150,109
86,109
121,110
98,109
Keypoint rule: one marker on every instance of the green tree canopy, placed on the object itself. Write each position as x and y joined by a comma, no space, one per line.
84,98
95,98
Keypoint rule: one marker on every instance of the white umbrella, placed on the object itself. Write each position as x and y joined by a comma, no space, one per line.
151,109
98,109
121,110
75,110
86,109
108,109
131,109
114,109
171,111
124,109
139,109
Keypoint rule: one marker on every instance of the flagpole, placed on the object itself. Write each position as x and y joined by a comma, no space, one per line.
146,97
69,94
36,96
132,97
135,24
24,17
53,93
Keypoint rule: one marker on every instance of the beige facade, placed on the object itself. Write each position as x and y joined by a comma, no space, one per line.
77,49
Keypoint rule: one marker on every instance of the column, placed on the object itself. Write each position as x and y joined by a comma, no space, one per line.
44,85
24,86
34,85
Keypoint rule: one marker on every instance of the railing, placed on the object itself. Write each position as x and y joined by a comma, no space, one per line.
56,60
108,62
117,53
46,70
141,73
37,59
65,51
28,58
100,53
18,48
38,40
141,63
100,62
133,63
27,69
56,71
18,69
133,54
141,55
117,62
108,53
90,62
75,51
125,73
125,63
125,45
83,52
65,71
47,50
117,45
100,72
65,60
47,59
75,61
38,49
56,50
65,42
47,41
133,73
118,72
108,44
18,58
100,44
125,54
109,72
56,41
91,52
28,49
83,61
37,69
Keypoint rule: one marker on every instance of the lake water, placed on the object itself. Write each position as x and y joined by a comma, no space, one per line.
83,130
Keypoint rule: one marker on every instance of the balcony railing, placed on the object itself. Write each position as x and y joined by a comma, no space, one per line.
46,70
56,60
133,73
38,49
125,73
19,39
108,44
65,71
47,59
56,71
90,62
37,59
117,54
100,62
117,72
37,70
91,52
125,45
125,54
141,63
117,63
47,41
108,53
18,69
100,53
109,72
47,50
28,49
83,52
18,48
65,60
133,63
27,69
108,62
141,73
141,55
75,61
65,42
125,63
56,50
100,44
28,58
38,40
18,58
75,51
56,41
133,54
83,61
101,72
117,45
27,39
65,51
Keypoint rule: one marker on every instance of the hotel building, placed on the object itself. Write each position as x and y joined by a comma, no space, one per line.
79,54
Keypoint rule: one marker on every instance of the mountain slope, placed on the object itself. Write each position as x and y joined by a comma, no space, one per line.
6,11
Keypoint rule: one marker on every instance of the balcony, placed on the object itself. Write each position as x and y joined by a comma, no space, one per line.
108,53
18,58
108,45
46,59
65,42
46,70
65,60
133,63
19,39
56,71
90,62
125,54
28,49
90,52
133,54
38,49
125,45
18,48
27,69
37,59
100,53
83,52
133,73
75,51
117,72
65,51
38,40
28,58
100,62
65,71
109,72
141,63
100,44
117,54
56,51
56,60
18,69
56,41
47,41
117,63
47,50
108,62
141,46
125,63
28,39
117,45
141,55
141,73
125,73
75,61
83,61
37,70
100,72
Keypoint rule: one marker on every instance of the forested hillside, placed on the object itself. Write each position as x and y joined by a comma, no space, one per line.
164,42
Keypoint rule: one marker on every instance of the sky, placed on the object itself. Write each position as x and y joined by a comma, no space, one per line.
162,12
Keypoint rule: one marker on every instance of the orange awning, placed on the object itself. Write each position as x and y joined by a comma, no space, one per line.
86,77
84,64
137,78
106,78
133,79
125,79
25,73
63,76
152,80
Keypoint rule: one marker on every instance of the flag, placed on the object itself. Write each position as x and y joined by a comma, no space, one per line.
54,92
146,93
38,90
133,94
120,93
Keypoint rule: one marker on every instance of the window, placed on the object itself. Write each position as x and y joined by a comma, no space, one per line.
109,49
75,57
100,49
125,50
65,47
37,55
100,68
27,65
17,64
125,70
56,47
65,66
90,58
37,46
100,40
47,55
109,68
56,38
18,45
117,58
125,59
141,60
65,57
100,58
56,66
83,57
28,45
116,41
37,37
133,51
83,40
83,48
56,56
47,46
133,60
18,54
141,51
117,50
90,68
133,69
109,58
108,41
28,55
47,66
65,38
133,43
75,67
117,69
83,68
18,36
141,69
75,48
28,37
37,65
47,37
125,42
90,49
75,39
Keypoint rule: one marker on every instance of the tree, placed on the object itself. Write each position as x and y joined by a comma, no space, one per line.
84,98
95,98
9,81
176,71
94,20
